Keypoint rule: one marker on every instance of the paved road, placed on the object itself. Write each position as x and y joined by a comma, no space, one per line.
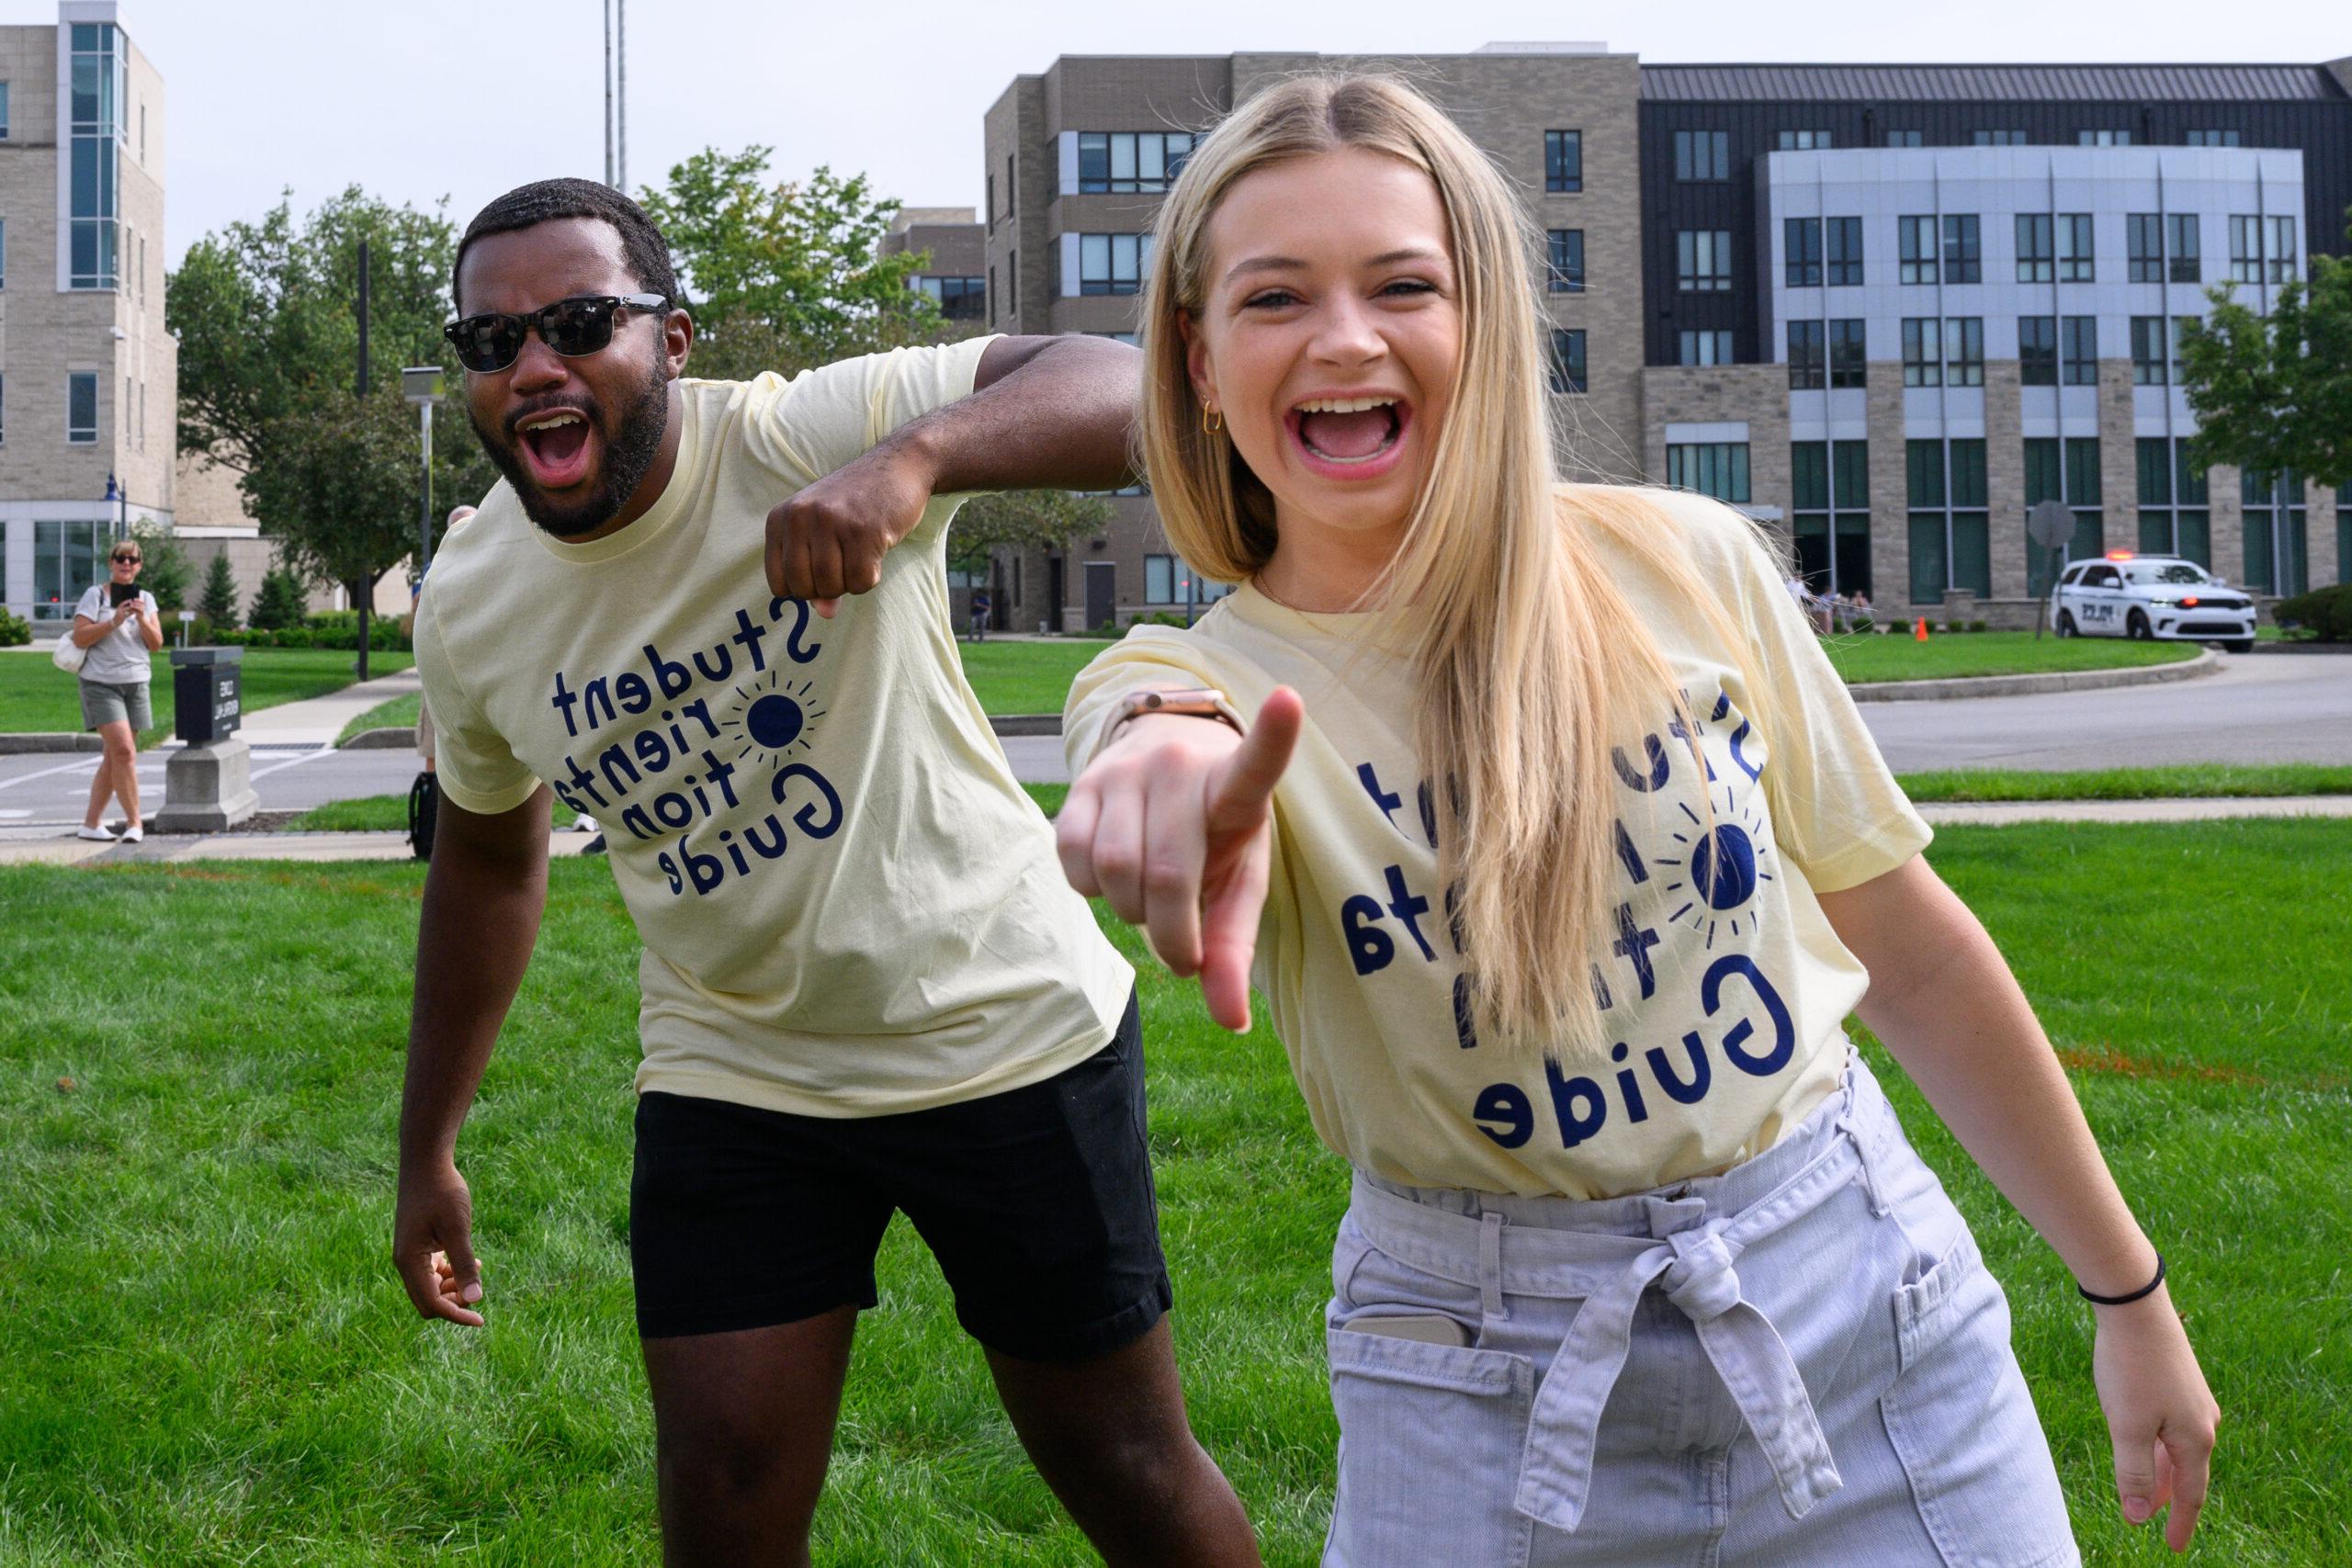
2258,708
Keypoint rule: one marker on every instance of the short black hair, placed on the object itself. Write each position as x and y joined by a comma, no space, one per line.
545,201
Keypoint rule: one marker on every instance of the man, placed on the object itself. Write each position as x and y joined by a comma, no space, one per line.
865,987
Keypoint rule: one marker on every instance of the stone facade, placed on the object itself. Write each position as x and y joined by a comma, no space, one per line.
1753,395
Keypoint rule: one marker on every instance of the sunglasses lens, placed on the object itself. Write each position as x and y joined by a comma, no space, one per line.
577,326
485,344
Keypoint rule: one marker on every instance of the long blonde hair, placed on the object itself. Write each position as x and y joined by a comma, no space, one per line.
1529,660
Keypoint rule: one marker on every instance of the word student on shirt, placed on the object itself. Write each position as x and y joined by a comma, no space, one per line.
866,986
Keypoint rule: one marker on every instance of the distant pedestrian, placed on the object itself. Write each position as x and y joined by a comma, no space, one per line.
981,606
115,624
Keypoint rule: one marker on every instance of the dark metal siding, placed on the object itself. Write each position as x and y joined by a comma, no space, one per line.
1991,84
2322,129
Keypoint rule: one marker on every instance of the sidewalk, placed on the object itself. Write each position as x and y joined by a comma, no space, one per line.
173,849
316,721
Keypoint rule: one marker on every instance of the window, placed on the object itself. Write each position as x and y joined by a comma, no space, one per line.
2282,250
1963,249
1707,347
993,213
1800,248
2078,351
2066,472
2174,519
1808,356
97,128
68,560
1848,361
1702,154
2180,243
992,296
1965,351
1904,139
1802,141
1563,160
82,407
2036,262
1831,481
1915,239
958,298
2038,350
2245,249
1998,139
1950,538
1718,469
1012,188
2143,245
2102,139
1566,274
1131,161
1159,579
1923,352
1845,237
1568,359
3,117
2277,553
1013,280
2075,256
2148,354
1702,260
1112,264
2213,138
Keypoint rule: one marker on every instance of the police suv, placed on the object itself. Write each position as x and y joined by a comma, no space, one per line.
2146,597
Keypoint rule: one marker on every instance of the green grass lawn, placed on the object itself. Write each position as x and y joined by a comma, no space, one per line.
35,695
2128,783
205,1358
398,713
1864,657
1025,677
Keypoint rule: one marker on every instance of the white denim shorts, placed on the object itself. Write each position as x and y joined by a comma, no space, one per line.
1802,1360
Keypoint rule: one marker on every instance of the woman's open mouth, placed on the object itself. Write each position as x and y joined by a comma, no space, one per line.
1350,438
556,447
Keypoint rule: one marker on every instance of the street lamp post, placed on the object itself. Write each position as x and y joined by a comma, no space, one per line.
421,384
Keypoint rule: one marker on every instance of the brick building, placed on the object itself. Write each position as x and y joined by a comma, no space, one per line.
1884,309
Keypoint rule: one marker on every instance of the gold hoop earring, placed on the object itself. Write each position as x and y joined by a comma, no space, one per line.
1212,421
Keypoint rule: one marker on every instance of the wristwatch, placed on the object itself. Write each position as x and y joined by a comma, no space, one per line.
1199,701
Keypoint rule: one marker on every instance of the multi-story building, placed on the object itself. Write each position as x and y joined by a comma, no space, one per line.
1892,307
88,375
958,245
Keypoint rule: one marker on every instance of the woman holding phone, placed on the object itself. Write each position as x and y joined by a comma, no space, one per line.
1561,856
116,622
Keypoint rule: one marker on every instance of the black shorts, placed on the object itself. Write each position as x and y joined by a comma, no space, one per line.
1037,1203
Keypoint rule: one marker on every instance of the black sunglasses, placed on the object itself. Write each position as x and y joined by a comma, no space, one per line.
581,324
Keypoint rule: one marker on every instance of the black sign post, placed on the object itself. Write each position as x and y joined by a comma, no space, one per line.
208,693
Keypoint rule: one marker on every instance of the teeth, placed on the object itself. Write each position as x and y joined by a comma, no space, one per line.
553,421
1345,405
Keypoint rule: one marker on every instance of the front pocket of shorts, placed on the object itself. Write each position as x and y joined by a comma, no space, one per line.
1964,1426
1430,1443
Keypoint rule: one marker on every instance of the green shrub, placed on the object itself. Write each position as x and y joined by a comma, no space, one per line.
167,572
279,603
1157,618
14,631
217,606
2325,613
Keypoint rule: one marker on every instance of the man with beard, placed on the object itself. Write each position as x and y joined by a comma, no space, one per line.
866,986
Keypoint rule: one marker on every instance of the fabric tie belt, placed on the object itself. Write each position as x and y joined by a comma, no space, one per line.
1690,1254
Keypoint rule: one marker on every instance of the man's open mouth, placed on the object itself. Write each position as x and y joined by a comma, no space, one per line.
556,447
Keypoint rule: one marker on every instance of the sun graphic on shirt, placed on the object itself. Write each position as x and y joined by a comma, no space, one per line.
772,719
1722,868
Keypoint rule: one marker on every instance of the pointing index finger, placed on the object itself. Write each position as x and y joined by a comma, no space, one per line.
1238,796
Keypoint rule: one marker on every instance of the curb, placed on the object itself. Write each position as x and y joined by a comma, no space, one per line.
50,740
2303,646
2205,663
1027,723
390,739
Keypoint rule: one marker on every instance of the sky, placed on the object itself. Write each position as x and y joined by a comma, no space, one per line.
461,99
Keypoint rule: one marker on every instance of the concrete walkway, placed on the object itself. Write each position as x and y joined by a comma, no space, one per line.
316,721
173,849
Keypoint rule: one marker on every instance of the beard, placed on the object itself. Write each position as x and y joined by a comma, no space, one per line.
628,455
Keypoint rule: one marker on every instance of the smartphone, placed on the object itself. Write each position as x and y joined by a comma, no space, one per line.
1433,1328
123,591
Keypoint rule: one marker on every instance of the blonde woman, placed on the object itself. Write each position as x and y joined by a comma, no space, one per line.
1560,856
117,623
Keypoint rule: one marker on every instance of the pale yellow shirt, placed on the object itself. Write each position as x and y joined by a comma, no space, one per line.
1723,993
848,907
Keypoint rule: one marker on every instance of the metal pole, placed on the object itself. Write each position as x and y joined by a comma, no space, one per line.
608,92
424,515
362,389
621,137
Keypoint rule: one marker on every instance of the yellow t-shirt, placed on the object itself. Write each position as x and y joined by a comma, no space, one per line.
848,906
1724,993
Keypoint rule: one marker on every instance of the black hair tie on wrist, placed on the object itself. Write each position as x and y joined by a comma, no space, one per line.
2148,1289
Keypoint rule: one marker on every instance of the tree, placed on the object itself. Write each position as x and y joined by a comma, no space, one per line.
787,274
167,571
267,316
218,606
2273,394
278,601
1023,520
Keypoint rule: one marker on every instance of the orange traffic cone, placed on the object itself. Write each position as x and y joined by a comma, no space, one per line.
1919,630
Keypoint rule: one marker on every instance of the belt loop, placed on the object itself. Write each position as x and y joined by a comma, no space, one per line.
1490,1266
1866,1159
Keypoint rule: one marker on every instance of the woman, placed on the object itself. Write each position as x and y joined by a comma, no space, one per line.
119,627
1581,860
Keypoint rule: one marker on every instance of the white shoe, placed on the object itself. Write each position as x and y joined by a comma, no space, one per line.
99,834
134,834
